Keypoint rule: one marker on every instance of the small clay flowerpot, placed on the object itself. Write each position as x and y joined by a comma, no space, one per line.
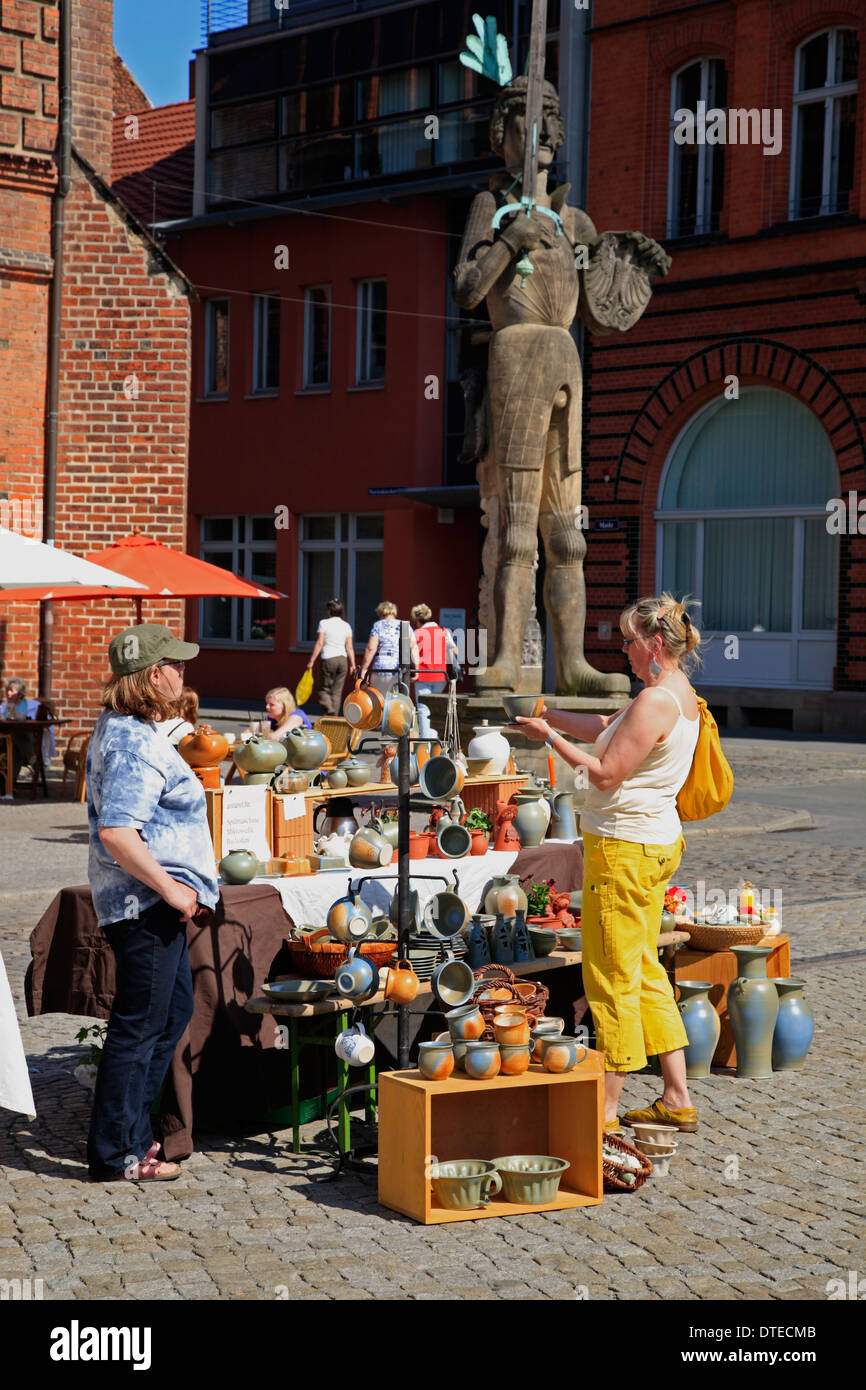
480,842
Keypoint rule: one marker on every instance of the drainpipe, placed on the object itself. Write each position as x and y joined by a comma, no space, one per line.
52,388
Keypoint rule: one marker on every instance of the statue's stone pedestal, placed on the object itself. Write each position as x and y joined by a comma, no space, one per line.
530,757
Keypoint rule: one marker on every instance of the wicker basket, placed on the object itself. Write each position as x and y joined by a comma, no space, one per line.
500,977
322,959
611,1174
705,937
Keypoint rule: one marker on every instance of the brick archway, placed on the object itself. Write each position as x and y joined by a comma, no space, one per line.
701,377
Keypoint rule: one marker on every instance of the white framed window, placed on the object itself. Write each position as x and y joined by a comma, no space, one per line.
216,347
823,127
266,342
340,556
317,336
247,546
372,321
696,172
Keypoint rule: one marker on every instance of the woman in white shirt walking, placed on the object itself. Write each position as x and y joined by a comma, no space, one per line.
632,841
334,645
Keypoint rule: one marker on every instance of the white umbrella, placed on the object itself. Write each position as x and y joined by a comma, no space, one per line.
25,563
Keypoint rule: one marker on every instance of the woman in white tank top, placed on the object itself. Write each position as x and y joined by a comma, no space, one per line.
633,844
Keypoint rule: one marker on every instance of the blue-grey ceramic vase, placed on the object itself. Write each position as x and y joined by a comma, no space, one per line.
753,1006
701,1024
795,1026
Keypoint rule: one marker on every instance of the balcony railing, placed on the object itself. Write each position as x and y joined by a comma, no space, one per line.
219,15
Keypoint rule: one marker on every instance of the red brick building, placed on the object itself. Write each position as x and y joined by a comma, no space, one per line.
124,356
725,496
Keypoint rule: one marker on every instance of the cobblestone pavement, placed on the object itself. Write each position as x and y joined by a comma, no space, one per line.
766,1201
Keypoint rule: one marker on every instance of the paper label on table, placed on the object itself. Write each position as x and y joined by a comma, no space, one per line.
294,806
244,823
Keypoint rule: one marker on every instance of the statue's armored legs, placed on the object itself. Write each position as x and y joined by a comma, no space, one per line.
514,588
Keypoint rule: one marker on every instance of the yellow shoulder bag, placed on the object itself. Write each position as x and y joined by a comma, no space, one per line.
710,782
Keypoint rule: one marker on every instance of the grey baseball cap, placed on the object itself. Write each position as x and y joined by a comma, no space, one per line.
144,645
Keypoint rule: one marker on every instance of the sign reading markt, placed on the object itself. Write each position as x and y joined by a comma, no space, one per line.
539,263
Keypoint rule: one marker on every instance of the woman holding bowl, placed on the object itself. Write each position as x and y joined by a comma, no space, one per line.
151,872
632,840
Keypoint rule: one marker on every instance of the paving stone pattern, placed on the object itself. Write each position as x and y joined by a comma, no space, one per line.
765,1202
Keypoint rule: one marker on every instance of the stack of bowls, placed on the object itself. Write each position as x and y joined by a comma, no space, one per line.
658,1143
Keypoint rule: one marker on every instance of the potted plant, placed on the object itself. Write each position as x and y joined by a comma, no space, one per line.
85,1072
538,912
480,826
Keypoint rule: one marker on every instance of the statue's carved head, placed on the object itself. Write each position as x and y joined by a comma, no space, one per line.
512,102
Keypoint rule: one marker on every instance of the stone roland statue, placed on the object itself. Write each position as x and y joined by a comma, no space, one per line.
525,429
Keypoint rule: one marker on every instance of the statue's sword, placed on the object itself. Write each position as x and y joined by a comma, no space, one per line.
533,126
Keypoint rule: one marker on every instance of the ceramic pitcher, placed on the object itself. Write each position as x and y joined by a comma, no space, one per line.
533,817
563,825
753,1006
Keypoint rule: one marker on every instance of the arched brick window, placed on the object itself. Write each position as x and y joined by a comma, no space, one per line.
824,123
696,169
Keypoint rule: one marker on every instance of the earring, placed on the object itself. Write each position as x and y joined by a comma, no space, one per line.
655,670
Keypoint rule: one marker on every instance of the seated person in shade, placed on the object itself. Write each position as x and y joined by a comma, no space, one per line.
283,714
185,720
17,706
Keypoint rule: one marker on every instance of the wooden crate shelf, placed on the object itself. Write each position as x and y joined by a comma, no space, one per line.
535,1113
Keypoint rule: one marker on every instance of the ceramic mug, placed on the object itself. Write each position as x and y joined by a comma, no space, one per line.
482,1061
453,982
358,707
441,778
465,1183
560,1054
453,841
466,1023
369,850
436,1060
511,1028
355,1046
446,914
515,1058
401,983
357,978
398,714
459,1049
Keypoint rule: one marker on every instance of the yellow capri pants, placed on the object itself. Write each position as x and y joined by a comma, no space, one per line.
629,993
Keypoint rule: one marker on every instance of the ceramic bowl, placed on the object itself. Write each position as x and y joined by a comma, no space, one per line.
299,991
571,939
543,940
480,767
465,1183
655,1134
530,1179
654,1151
527,706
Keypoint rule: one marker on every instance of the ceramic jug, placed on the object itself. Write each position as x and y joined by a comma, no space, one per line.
478,950
338,818
533,816
521,945
505,896
753,1006
563,825
795,1026
701,1024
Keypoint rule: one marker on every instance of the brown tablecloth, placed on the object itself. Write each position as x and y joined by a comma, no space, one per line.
562,863
225,1071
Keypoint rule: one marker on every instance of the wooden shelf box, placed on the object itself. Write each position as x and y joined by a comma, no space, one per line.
537,1113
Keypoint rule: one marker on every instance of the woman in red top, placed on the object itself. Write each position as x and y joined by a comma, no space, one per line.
435,651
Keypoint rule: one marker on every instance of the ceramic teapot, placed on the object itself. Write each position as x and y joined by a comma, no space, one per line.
306,749
357,773
288,781
259,754
204,747
239,866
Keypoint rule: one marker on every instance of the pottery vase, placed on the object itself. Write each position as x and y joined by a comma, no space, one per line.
478,948
753,1006
521,943
505,896
702,1025
491,744
563,825
795,1026
532,819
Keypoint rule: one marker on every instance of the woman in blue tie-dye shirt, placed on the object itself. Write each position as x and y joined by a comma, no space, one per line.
151,871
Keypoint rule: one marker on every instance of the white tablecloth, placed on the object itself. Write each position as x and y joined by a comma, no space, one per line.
308,899
15,1091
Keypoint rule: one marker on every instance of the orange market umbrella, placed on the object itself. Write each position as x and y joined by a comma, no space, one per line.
165,573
